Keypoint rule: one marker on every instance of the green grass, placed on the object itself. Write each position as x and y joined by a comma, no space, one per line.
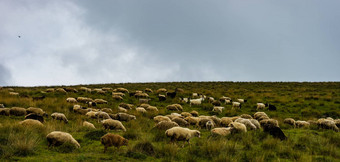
301,101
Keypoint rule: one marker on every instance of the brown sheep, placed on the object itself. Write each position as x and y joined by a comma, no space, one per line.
110,139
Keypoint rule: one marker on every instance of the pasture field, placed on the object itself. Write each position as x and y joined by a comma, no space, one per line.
301,101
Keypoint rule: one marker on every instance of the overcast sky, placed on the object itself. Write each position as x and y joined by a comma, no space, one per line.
69,42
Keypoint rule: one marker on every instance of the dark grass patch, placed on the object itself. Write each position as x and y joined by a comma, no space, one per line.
144,147
95,135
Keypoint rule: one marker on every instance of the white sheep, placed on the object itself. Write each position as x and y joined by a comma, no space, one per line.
239,127
141,110
91,114
247,123
120,109
260,106
152,108
59,116
300,124
102,115
71,100
113,124
57,138
160,118
195,101
88,125
236,105
221,131
181,134
209,125
218,109
100,101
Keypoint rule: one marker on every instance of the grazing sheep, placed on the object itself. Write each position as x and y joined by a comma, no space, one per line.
194,95
123,90
327,124
88,125
186,114
269,121
175,107
2,106
85,89
209,125
148,90
50,90
35,110
161,97
141,95
184,100
125,117
98,90
216,103
260,106
193,120
337,122
194,113
223,98
160,118
241,100
5,111
113,124
59,116
17,111
126,106
141,110
100,101
107,89
120,109
247,123
239,127
35,117
256,123
181,134
300,124
91,114
143,100
203,122
161,90
181,122
236,105
164,125
225,121
118,94
102,115
71,100
246,116
270,107
289,121
218,109
195,101
221,131
152,108
14,93
57,138
69,89
258,115
110,139
234,118
84,99
228,101
31,123
275,131
172,94
60,90
107,110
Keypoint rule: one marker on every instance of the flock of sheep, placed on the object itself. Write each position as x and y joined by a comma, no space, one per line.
174,124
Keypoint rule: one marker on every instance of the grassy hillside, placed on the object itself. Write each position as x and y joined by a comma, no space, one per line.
301,101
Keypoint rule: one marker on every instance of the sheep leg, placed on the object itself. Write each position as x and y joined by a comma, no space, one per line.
105,148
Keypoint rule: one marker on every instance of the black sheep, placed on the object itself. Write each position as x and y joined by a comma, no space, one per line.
270,107
275,131
35,117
